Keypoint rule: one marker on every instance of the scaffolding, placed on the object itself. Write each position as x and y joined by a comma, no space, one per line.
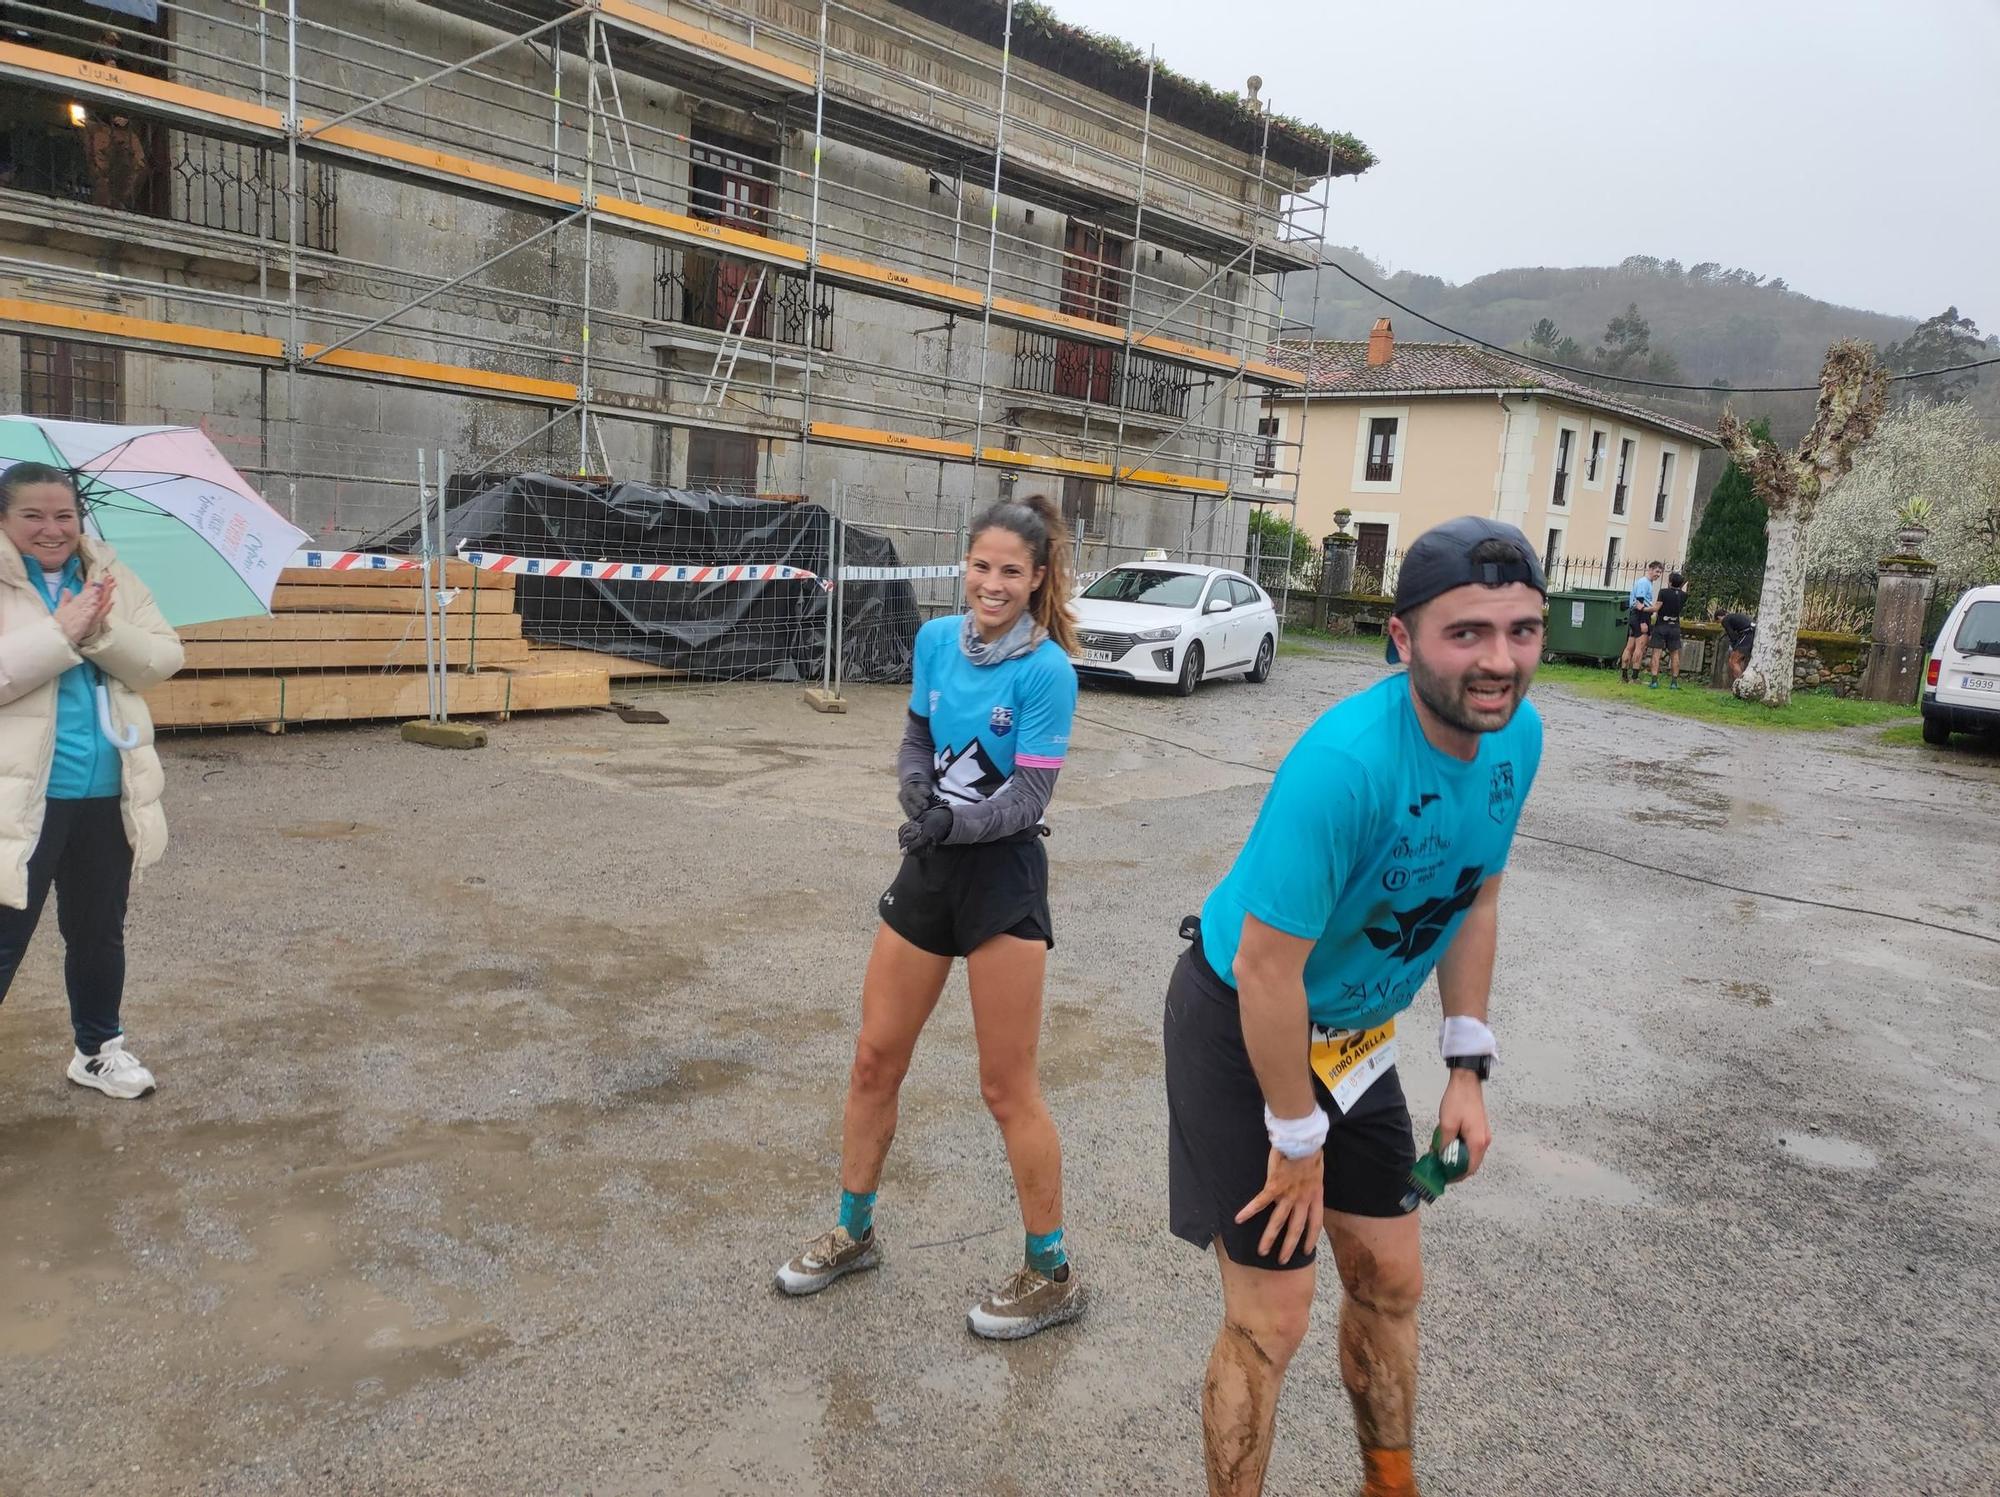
1125,373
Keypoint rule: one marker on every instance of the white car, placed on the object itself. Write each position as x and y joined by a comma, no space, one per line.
1962,677
1175,624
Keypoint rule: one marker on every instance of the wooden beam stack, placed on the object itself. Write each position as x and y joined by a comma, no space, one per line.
350,645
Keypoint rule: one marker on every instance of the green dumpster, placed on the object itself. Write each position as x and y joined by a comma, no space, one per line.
1586,623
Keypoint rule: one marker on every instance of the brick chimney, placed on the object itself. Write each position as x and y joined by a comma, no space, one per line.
1381,343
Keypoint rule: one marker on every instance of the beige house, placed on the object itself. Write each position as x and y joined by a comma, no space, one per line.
1408,434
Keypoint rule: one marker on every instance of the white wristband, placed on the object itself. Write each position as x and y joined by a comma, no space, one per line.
1297,1138
1462,1034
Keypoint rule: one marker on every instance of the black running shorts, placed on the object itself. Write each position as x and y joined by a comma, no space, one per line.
1667,636
1637,625
1217,1150
953,899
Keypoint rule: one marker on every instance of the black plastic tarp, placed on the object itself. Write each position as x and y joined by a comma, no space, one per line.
724,630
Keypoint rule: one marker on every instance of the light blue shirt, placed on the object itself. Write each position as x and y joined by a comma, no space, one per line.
85,765
1372,844
1641,599
986,719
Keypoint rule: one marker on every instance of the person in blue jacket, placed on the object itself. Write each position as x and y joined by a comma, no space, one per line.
991,699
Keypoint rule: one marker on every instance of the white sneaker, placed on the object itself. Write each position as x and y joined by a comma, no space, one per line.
113,1070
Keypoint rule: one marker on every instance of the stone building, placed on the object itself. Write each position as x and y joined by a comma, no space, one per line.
750,245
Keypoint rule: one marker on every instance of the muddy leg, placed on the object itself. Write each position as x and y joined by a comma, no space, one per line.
1264,1316
1382,1278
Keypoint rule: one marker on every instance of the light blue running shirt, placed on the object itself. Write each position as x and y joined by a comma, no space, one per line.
1373,845
986,719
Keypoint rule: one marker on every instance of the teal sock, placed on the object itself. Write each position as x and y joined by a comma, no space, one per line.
1045,1251
857,1213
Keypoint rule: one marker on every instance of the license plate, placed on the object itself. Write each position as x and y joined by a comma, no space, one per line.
1980,683
1098,655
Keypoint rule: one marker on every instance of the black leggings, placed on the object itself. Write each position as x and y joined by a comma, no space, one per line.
83,852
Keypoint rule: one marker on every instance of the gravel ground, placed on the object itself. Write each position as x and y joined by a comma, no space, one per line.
495,1084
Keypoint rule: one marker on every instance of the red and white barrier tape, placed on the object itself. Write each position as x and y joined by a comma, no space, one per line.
552,566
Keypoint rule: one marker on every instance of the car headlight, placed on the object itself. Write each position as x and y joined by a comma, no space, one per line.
1154,636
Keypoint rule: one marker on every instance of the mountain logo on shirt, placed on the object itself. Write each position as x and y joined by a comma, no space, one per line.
1419,928
968,775
1500,792
1002,721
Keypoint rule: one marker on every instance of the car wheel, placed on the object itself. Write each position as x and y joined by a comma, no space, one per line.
1937,731
1261,671
1190,676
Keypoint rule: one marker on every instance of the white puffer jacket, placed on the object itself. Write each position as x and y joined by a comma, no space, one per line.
135,649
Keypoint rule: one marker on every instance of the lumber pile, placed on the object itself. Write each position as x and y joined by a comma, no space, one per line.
350,646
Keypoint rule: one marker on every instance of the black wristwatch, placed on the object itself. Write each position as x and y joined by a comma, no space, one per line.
1480,1065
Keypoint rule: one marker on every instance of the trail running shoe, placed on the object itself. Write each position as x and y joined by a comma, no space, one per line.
113,1070
1028,1302
829,1256
1654,684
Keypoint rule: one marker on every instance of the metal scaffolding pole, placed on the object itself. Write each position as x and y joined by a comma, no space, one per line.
294,219
812,255
589,245
1118,387
457,67
992,261
1249,301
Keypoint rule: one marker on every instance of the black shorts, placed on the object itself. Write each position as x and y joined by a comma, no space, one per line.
1636,625
1667,636
952,900
1217,1149
1743,646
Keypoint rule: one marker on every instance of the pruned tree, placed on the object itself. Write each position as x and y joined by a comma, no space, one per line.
1852,391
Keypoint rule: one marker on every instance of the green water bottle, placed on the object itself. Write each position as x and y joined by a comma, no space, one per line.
1437,1169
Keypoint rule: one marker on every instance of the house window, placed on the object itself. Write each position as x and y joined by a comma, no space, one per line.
1371,555
723,462
1666,487
1625,454
1610,560
1381,450
1093,287
1268,428
1593,471
1565,447
1079,505
71,381
730,180
1552,551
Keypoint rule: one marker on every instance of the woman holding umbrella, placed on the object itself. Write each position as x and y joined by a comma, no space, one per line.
80,785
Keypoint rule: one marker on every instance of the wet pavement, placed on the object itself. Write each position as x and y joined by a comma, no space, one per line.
494,1085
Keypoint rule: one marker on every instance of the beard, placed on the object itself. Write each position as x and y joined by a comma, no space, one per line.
1447,698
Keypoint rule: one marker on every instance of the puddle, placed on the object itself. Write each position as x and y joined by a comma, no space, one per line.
1829,1151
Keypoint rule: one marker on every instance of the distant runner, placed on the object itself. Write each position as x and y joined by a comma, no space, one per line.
1376,857
1667,629
1739,635
1639,621
988,729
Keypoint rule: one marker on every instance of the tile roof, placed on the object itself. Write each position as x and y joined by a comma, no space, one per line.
1339,369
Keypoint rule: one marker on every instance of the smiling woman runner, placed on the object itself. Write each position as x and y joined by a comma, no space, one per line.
990,706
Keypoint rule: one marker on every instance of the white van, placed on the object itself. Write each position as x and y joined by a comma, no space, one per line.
1962,680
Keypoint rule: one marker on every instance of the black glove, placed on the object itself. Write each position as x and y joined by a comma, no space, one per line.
921,833
914,796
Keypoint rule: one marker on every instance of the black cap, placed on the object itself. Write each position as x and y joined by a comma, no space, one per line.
1441,559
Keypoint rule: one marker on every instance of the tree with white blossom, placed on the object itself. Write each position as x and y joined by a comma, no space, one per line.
1931,449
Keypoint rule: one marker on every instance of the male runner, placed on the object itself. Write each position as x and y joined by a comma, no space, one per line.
1667,629
1739,633
1376,857
1639,621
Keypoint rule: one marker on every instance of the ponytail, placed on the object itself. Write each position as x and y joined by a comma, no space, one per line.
1038,522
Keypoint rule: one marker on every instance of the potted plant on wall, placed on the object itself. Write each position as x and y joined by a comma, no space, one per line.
1913,524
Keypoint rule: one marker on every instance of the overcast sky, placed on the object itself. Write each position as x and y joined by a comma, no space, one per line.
1850,146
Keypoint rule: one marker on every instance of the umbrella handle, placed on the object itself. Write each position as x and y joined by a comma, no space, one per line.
126,737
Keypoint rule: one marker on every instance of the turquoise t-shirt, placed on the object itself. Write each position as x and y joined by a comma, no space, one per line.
985,719
85,764
1373,844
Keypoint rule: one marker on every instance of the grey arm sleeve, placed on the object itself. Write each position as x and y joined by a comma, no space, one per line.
1014,807
916,755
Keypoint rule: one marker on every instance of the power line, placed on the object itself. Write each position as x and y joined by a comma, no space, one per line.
1651,384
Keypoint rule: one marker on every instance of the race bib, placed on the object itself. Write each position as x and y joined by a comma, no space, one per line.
1348,1061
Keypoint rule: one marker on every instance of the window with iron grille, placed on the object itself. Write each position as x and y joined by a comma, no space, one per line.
723,462
71,381
1611,548
1381,449
1093,287
1565,443
1666,488
1079,505
1624,485
1593,471
1268,428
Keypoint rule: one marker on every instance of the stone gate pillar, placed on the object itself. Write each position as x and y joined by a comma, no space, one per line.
1903,587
